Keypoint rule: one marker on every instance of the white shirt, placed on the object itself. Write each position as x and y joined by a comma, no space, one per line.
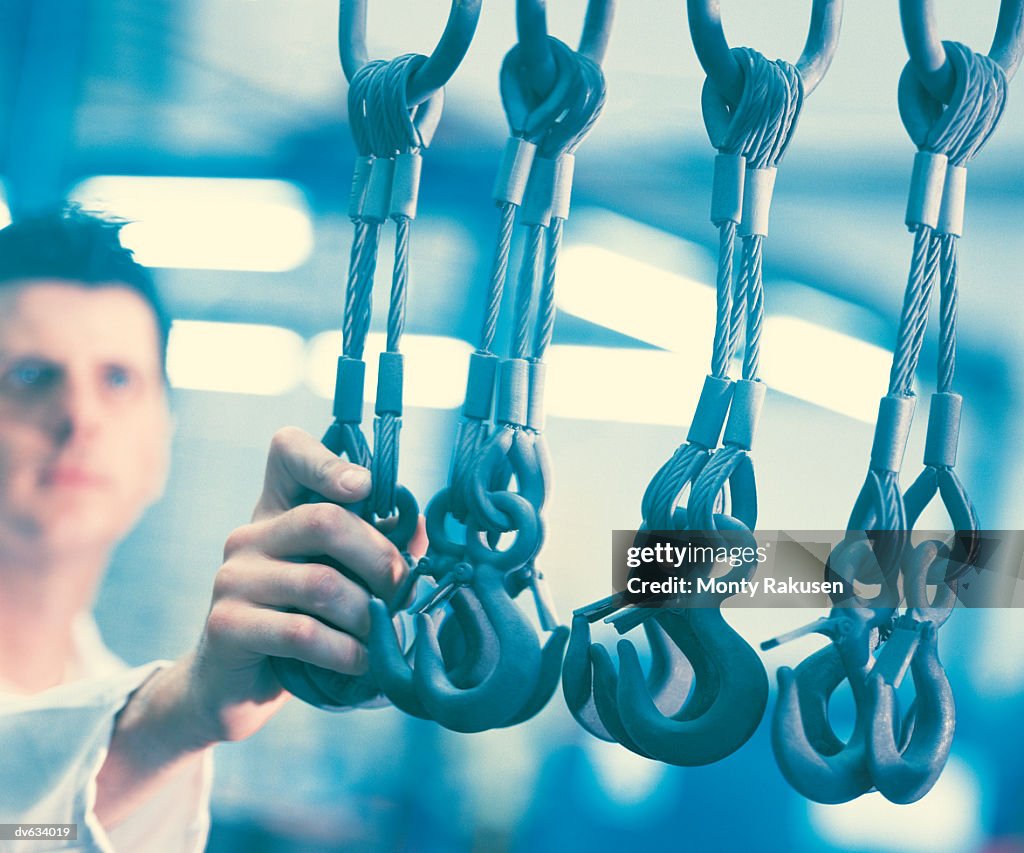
53,744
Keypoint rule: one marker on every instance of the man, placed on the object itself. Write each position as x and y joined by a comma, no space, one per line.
84,435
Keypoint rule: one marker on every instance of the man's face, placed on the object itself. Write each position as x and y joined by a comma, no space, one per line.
84,423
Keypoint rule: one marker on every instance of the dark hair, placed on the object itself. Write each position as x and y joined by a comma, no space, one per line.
81,247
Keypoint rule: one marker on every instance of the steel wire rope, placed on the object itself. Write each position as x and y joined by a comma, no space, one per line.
462,696
987,90
596,91
957,134
758,127
742,138
534,307
529,128
345,436
474,426
905,773
781,104
880,504
569,113
559,145
946,139
398,137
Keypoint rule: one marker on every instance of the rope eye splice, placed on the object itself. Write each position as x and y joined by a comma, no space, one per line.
394,108
436,70
706,690
933,66
949,121
475,662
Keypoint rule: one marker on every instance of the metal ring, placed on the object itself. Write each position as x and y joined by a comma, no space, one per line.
528,529
408,518
921,113
852,557
437,515
917,562
716,59
528,115
440,65
532,26
930,59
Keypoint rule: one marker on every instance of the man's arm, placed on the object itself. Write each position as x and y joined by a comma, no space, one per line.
226,689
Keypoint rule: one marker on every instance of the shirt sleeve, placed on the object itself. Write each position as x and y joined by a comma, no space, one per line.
54,744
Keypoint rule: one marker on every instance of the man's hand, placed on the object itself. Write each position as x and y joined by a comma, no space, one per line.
260,583
273,596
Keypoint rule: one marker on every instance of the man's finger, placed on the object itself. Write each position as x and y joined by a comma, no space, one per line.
287,635
297,465
312,588
315,531
418,543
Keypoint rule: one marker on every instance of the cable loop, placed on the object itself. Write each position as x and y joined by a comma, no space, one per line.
529,115
960,125
759,131
719,62
932,64
537,56
953,134
438,67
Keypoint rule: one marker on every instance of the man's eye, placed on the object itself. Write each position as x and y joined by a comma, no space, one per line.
29,375
118,377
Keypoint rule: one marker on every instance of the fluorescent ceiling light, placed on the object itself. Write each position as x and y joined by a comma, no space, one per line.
621,385
671,311
677,313
237,358
206,223
5,211
824,367
435,367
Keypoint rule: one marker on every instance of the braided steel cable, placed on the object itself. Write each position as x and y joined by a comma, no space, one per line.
924,266
473,427
393,122
985,82
546,310
990,109
724,323
499,273
947,311
525,286
558,123
595,94
514,686
751,273
781,110
780,103
758,130
957,134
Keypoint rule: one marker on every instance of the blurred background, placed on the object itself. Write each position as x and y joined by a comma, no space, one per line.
219,128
